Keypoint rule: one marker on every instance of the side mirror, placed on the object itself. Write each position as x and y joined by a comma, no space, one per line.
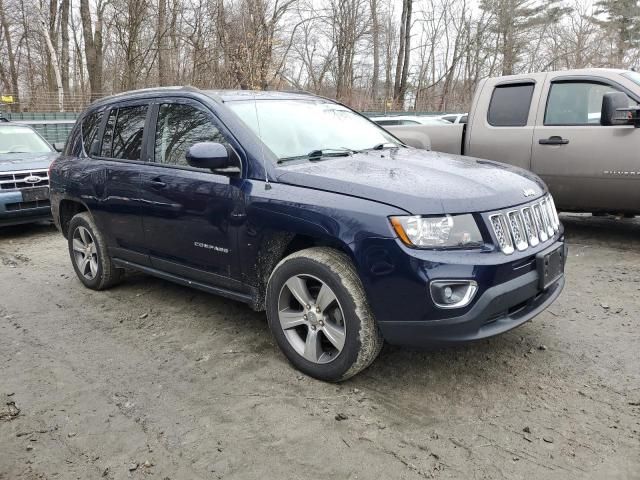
612,112
209,155
58,146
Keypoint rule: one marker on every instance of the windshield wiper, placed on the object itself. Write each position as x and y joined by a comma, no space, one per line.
324,152
382,146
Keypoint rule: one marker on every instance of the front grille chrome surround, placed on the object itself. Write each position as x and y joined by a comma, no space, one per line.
529,226
17,180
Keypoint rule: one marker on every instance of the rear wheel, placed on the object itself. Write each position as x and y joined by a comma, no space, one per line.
319,315
89,256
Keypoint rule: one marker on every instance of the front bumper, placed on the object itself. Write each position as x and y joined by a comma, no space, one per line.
14,212
498,310
397,281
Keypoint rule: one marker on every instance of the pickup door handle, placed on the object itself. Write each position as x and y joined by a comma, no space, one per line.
554,140
157,183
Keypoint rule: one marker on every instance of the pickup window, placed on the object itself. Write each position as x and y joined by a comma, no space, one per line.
576,103
510,104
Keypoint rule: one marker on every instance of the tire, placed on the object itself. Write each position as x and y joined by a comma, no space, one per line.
337,337
85,240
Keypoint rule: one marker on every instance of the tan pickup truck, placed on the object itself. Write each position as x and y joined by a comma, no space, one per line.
574,128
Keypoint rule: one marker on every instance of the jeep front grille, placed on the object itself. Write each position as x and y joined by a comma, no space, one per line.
23,179
528,226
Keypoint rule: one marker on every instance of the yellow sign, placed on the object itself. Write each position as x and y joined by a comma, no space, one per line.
6,98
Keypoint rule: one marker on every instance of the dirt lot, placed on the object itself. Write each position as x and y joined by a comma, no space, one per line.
154,380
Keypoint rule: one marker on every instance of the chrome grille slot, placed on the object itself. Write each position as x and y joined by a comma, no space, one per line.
501,229
528,226
542,231
24,179
516,226
545,218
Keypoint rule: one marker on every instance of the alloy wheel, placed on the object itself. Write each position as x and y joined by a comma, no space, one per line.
85,253
311,318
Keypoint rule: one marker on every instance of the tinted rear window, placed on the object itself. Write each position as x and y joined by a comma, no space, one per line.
123,133
90,126
510,104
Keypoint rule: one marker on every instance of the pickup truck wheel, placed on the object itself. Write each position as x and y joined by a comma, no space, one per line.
89,255
319,315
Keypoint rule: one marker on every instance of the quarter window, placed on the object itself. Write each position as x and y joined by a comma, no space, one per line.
123,133
576,103
90,127
510,105
179,127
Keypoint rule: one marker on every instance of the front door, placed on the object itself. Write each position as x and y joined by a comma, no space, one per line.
587,166
191,215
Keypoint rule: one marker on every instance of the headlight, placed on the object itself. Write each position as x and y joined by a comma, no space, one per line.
457,231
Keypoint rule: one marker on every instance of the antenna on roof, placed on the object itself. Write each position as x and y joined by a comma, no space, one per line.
267,185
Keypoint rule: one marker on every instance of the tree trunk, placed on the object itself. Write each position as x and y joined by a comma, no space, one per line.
375,38
92,47
11,56
64,47
163,66
402,63
55,65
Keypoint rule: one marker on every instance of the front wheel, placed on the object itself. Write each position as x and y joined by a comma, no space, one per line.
319,315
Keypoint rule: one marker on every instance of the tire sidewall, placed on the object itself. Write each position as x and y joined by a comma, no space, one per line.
81,221
334,370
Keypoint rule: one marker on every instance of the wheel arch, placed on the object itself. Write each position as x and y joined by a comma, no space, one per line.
280,245
67,209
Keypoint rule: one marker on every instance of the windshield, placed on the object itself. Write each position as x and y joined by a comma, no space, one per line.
18,139
296,128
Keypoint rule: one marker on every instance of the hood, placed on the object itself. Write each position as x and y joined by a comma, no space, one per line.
419,181
10,162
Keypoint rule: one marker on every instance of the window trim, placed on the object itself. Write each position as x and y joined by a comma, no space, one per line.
507,84
585,79
226,133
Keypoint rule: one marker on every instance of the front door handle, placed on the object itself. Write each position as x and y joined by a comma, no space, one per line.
554,140
157,183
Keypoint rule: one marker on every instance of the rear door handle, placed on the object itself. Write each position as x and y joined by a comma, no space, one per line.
157,183
554,140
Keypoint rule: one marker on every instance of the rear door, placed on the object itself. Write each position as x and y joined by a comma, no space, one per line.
583,162
503,119
112,175
191,215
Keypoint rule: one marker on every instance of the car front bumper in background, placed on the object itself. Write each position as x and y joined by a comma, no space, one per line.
14,211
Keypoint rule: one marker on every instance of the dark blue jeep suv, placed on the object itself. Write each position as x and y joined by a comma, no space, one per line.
299,206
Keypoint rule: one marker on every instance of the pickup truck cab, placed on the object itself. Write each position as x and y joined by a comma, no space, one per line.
299,206
551,124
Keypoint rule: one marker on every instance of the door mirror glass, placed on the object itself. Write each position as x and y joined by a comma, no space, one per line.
209,155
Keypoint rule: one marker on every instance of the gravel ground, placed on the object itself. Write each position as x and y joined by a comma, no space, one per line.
154,380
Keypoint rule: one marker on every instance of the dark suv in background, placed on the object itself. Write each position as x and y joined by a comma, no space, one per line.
302,207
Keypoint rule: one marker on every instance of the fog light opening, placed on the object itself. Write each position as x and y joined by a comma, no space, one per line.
453,293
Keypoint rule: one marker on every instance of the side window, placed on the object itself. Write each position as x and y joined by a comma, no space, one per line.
90,127
179,127
576,103
127,133
510,104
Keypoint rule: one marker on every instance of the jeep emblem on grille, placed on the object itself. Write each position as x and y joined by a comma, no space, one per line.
33,179
529,192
